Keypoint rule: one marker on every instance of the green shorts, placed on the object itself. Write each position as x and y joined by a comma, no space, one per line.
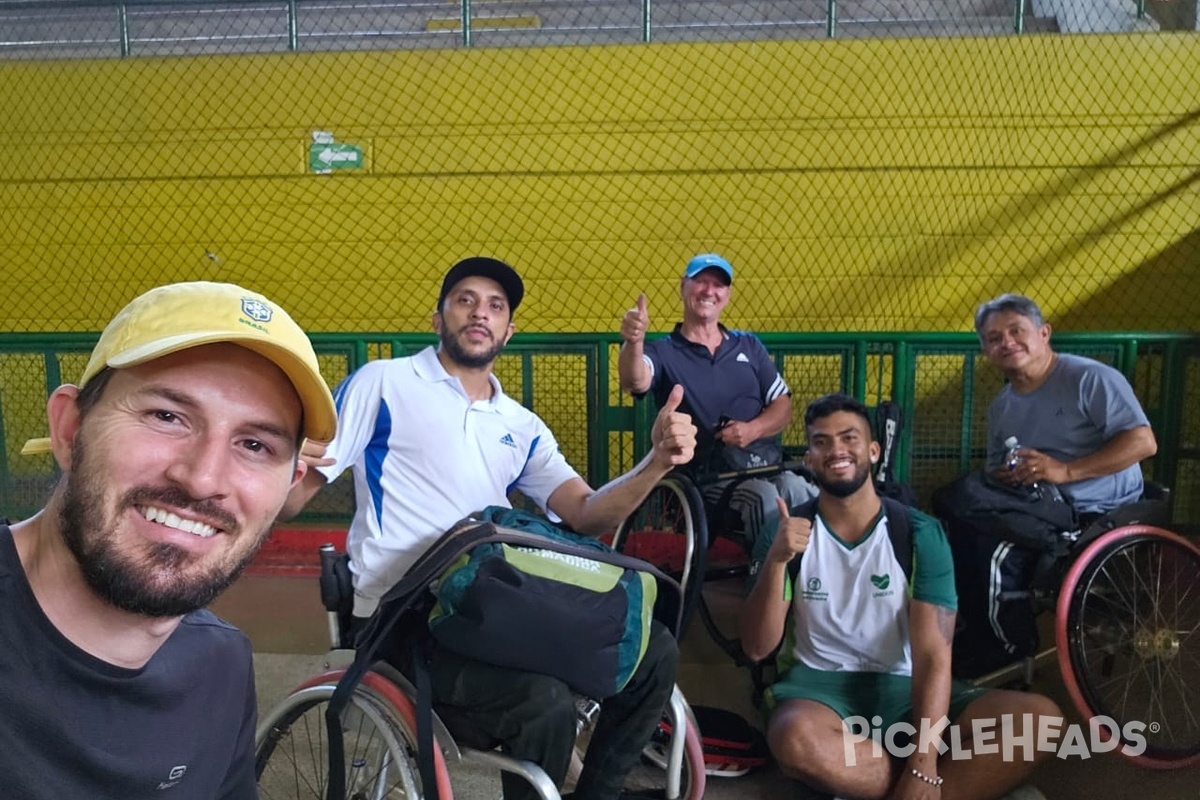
863,694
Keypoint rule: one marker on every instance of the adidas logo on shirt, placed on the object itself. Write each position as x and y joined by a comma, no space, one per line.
742,357
508,440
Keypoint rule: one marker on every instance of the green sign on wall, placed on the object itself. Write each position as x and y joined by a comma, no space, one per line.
326,155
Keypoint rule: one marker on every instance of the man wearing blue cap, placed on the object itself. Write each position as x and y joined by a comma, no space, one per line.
736,397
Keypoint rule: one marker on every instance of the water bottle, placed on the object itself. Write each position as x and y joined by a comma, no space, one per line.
1011,458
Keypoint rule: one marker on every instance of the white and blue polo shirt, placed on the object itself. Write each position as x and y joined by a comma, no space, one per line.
424,457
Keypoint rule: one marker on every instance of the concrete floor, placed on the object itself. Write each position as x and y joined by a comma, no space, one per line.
284,619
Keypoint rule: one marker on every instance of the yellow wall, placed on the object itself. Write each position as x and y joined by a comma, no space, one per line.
874,184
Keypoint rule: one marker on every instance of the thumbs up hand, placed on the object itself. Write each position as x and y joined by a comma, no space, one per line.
673,436
791,537
636,321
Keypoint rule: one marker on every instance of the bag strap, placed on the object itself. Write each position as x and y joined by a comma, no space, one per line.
404,597
899,532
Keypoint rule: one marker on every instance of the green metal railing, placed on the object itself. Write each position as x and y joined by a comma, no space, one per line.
570,380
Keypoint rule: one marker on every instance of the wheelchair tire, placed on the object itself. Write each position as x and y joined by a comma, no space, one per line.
669,530
1128,634
651,778
379,734
648,779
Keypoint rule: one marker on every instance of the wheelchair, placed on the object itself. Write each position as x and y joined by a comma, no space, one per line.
698,542
1126,605
379,731
1126,599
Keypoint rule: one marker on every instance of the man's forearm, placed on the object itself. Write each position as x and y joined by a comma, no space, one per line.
632,370
932,631
775,417
604,509
764,612
1123,450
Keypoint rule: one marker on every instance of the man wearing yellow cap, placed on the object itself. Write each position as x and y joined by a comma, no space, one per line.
177,448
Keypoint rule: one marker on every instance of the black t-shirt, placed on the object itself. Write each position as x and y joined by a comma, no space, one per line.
74,726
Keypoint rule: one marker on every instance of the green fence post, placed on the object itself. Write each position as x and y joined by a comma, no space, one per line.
466,23
1170,423
597,411
859,374
966,432
904,393
7,496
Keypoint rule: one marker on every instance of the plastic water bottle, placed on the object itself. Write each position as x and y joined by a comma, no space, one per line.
1011,458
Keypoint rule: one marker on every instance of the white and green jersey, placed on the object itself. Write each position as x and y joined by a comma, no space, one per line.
850,601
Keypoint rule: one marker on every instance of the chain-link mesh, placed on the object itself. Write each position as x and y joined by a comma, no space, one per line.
869,165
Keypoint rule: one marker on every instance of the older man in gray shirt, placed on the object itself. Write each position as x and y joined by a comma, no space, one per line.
1077,420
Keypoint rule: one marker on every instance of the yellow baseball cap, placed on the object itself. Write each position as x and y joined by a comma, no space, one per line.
179,316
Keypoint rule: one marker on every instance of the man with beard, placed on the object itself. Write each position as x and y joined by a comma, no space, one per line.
432,439
870,643
177,449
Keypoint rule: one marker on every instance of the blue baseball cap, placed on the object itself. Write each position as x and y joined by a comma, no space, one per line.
709,261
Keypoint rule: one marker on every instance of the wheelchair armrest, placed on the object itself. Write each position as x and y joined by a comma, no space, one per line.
1154,491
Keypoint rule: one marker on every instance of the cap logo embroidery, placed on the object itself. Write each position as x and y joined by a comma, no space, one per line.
256,310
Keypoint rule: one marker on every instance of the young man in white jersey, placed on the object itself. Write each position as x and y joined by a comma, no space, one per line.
432,439
868,645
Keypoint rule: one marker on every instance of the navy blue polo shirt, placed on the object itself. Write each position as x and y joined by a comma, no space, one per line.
738,381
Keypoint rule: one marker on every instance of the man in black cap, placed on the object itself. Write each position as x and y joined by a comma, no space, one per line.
431,439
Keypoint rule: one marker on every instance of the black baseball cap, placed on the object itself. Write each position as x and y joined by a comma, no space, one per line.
485,267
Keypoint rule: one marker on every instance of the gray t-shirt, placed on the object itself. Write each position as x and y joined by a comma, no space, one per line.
1080,406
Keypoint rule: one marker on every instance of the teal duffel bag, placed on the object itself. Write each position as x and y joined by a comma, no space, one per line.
562,605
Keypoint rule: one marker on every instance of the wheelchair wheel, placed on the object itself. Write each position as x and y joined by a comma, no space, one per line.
379,734
650,779
659,776
1128,635
670,531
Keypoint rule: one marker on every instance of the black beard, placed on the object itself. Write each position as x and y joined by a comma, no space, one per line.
459,355
127,581
843,489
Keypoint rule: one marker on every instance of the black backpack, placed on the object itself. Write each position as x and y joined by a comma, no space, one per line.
1004,540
